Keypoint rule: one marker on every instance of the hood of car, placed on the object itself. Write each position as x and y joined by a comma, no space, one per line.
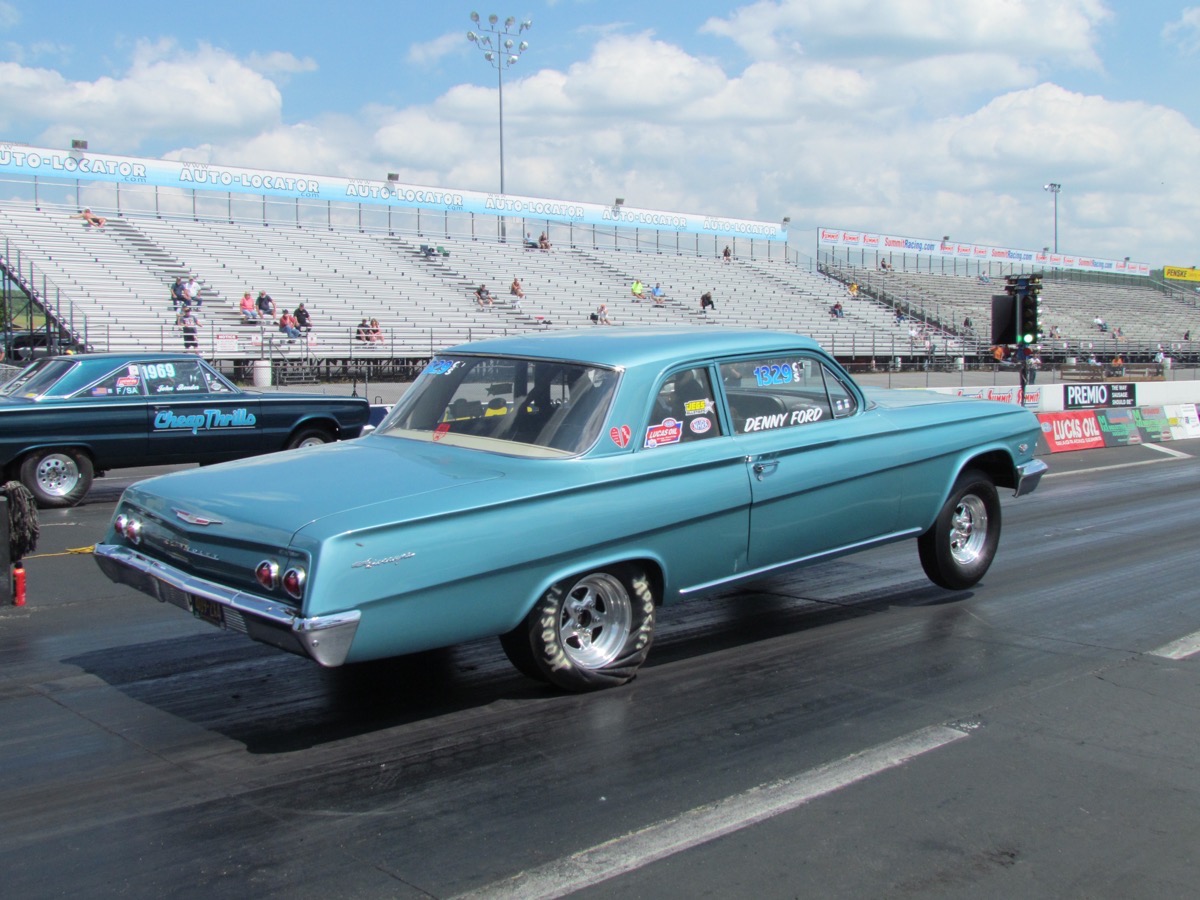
267,499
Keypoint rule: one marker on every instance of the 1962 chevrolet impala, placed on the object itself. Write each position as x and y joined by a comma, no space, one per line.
555,489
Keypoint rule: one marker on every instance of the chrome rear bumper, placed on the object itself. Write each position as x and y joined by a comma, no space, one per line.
1028,476
326,639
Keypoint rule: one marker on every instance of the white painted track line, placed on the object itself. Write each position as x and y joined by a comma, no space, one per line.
706,823
1186,646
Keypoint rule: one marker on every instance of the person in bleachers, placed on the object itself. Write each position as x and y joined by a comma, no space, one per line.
191,293
544,241
727,254
303,319
265,306
638,289
658,294
530,243
248,309
836,311
968,326
363,333
189,323
483,296
600,316
90,218
288,325
706,302
177,297
516,290
376,332
854,290
984,279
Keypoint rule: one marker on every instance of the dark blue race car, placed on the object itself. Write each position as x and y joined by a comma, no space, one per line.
65,419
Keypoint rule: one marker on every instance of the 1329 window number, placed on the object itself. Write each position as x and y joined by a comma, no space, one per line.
773,374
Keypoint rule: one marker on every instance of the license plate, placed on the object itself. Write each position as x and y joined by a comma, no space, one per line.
208,610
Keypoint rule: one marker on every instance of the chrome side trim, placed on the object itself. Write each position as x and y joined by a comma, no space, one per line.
1028,476
326,639
802,560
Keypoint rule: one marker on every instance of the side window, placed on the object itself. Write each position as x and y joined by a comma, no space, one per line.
171,378
775,392
125,382
685,410
840,396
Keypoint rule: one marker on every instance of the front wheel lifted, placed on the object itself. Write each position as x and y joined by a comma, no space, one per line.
587,632
57,477
960,545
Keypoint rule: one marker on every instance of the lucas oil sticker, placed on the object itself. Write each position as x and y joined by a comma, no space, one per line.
668,431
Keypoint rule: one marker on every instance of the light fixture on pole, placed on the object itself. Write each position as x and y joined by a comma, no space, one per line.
1054,188
501,51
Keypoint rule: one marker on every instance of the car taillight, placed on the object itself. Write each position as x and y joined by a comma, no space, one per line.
267,574
129,528
293,583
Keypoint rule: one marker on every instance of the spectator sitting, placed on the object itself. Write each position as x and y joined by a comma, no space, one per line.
287,325
530,243
885,266
658,294
706,302
177,295
984,279
600,316
266,306
483,296
727,254
854,290
638,289
515,288
248,309
544,241
90,218
191,293
303,319
835,311
376,332
363,332
428,251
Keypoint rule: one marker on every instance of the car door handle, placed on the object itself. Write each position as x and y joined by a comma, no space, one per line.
763,469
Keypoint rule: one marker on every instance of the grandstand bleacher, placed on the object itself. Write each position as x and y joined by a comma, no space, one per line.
110,288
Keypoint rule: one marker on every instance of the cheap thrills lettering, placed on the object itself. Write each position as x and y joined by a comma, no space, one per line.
207,420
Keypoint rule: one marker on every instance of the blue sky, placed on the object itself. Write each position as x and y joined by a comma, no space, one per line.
915,117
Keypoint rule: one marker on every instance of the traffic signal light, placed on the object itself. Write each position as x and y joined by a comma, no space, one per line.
1027,319
1004,319
1022,295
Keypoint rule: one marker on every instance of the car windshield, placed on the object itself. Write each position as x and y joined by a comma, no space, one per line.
526,407
37,379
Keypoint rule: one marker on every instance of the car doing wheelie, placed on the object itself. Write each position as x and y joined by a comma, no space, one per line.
554,490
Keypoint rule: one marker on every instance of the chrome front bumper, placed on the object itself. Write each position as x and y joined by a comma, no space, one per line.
326,639
1028,476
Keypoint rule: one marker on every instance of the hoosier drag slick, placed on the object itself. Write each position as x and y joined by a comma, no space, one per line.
554,489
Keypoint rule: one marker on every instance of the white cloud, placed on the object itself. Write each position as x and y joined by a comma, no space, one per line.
9,16
167,89
431,52
1184,32
277,63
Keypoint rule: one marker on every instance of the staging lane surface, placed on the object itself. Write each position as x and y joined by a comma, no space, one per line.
146,754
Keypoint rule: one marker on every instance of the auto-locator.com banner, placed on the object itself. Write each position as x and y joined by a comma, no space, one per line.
18,159
886,245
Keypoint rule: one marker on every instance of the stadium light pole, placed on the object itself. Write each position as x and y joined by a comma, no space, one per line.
501,50
1054,188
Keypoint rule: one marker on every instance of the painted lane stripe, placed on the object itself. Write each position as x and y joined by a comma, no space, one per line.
1186,646
1170,451
706,823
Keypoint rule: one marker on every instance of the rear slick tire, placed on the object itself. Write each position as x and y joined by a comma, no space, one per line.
959,547
587,632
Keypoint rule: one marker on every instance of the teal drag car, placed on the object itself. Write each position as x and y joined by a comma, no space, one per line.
554,489
66,419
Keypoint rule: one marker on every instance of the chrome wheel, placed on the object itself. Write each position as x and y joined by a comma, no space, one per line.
595,621
57,475
968,529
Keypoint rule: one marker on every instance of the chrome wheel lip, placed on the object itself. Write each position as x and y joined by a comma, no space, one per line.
57,475
968,529
595,620
312,442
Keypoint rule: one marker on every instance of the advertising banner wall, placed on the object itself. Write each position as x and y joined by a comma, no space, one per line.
884,245
17,159
1181,273
1071,431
